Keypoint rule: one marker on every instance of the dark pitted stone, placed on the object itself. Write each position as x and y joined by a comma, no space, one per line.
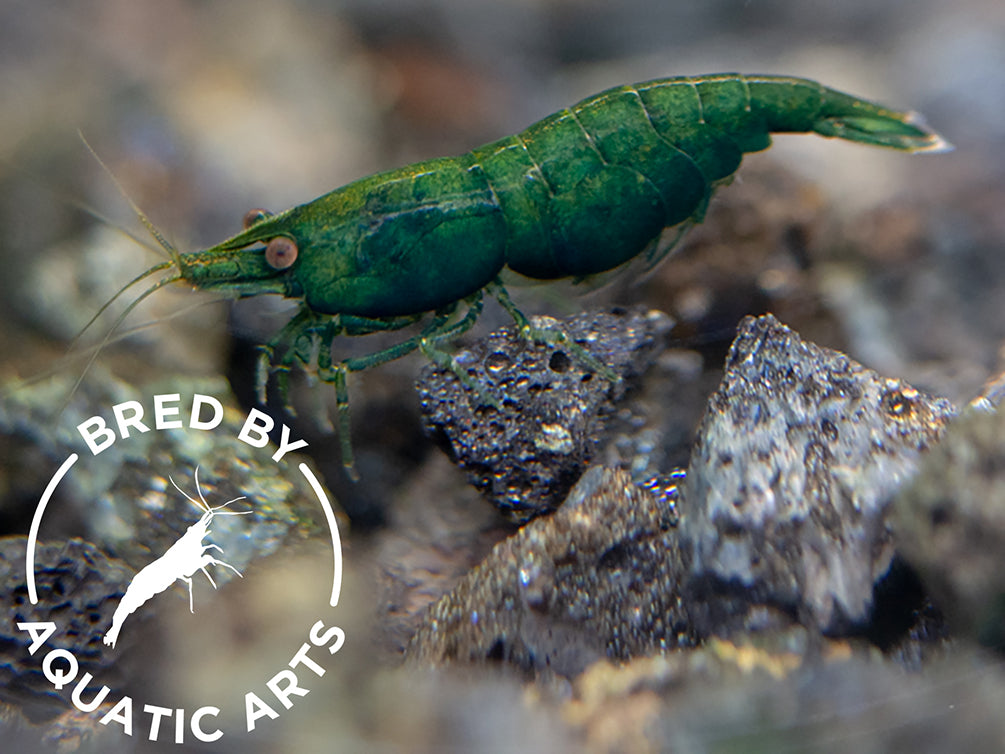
78,589
526,455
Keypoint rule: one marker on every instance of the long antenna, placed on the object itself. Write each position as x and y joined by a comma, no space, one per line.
198,488
165,244
230,513
187,496
205,505
123,289
159,237
108,336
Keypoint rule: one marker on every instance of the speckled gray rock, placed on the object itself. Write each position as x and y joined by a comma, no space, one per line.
950,525
796,461
598,578
526,456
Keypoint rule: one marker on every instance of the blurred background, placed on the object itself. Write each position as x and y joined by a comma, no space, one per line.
203,110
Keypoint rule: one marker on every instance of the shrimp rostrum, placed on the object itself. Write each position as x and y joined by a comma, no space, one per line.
576,194
182,559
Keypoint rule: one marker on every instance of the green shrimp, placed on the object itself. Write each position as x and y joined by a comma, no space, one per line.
615,178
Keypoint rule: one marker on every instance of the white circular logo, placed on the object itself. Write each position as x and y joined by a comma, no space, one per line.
187,558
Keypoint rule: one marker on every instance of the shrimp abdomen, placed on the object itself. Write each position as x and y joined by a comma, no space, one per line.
590,187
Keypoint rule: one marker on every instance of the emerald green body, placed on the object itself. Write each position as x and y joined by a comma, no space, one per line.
577,193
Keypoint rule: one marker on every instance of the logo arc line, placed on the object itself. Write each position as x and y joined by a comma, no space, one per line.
36,522
333,527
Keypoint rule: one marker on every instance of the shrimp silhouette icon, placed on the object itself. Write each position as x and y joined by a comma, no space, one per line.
186,556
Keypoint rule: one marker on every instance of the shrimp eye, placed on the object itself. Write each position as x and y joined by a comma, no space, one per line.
281,252
253,216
